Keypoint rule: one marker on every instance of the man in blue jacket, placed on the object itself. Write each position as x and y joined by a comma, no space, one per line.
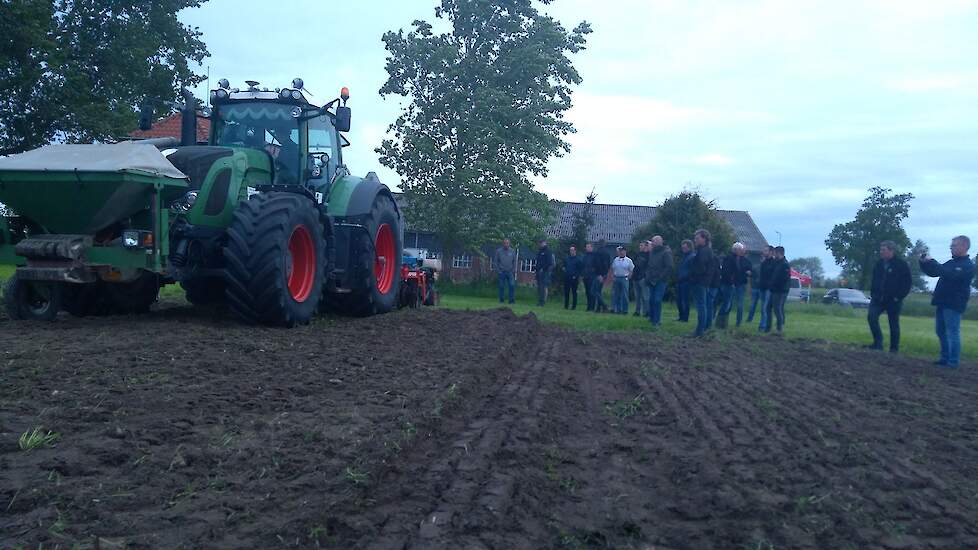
951,297
683,282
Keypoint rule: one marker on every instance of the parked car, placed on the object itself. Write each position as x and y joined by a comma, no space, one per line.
796,293
846,297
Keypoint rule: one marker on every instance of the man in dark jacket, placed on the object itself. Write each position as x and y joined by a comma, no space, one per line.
755,284
588,274
780,284
637,282
701,276
573,269
602,269
951,297
734,273
657,275
544,270
891,284
767,273
683,285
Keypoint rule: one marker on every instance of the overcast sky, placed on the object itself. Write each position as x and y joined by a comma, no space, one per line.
789,110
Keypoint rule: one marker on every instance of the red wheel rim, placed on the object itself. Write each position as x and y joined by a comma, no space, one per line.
302,264
384,261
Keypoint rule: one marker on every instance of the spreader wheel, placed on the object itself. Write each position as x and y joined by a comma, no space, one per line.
30,300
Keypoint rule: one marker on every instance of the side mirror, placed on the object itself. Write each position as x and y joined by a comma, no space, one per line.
343,116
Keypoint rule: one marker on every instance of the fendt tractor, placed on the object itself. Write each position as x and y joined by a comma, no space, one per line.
264,217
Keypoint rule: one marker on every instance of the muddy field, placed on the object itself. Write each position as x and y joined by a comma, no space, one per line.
440,429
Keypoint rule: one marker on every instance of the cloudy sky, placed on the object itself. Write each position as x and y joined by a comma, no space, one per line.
789,110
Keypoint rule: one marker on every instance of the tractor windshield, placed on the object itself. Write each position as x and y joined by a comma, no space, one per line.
266,126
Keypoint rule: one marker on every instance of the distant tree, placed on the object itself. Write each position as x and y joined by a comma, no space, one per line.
679,216
77,70
485,112
918,281
581,225
811,266
855,245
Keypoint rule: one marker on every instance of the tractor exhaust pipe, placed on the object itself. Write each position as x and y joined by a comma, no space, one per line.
188,118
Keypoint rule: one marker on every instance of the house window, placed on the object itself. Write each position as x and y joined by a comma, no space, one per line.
527,265
432,255
462,262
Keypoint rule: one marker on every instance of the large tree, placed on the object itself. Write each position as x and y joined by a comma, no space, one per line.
679,216
487,99
77,70
855,245
811,266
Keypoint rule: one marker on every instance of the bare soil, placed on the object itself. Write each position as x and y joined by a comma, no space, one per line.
439,429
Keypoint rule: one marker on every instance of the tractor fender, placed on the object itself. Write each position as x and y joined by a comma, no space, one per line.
351,197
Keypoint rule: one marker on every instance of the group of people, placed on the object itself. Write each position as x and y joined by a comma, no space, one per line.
714,285
892,281
717,286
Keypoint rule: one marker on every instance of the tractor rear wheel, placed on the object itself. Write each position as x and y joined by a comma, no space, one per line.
276,260
376,261
31,301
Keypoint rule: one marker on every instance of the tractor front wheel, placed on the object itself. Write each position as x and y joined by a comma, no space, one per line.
276,260
30,300
376,261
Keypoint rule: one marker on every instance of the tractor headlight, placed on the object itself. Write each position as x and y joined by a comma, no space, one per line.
296,94
184,203
284,94
133,238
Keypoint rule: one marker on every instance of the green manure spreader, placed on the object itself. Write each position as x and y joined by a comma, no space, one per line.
264,217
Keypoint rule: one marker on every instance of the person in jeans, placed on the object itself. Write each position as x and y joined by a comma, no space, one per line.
767,273
713,294
637,281
951,297
683,284
504,263
734,273
657,277
621,269
891,284
778,293
544,270
755,284
701,275
573,269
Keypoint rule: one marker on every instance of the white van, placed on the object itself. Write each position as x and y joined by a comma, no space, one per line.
798,294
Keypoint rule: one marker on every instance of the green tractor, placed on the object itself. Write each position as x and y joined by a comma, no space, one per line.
265,217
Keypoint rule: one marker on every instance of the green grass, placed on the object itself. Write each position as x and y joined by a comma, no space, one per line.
803,321
37,438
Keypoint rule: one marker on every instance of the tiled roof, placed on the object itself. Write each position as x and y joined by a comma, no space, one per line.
170,127
617,223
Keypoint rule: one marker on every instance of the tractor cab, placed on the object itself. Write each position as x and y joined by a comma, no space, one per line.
302,140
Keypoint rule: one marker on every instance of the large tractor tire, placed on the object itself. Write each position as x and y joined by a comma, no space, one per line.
31,301
276,260
376,258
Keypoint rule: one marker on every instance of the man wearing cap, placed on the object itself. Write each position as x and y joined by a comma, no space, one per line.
657,276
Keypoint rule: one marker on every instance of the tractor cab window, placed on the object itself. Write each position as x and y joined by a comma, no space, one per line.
322,144
266,126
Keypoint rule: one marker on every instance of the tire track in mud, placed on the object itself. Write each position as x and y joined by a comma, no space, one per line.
471,484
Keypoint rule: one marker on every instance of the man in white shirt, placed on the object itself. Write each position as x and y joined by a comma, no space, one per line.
621,268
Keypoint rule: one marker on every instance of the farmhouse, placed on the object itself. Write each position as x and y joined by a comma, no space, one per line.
613,223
